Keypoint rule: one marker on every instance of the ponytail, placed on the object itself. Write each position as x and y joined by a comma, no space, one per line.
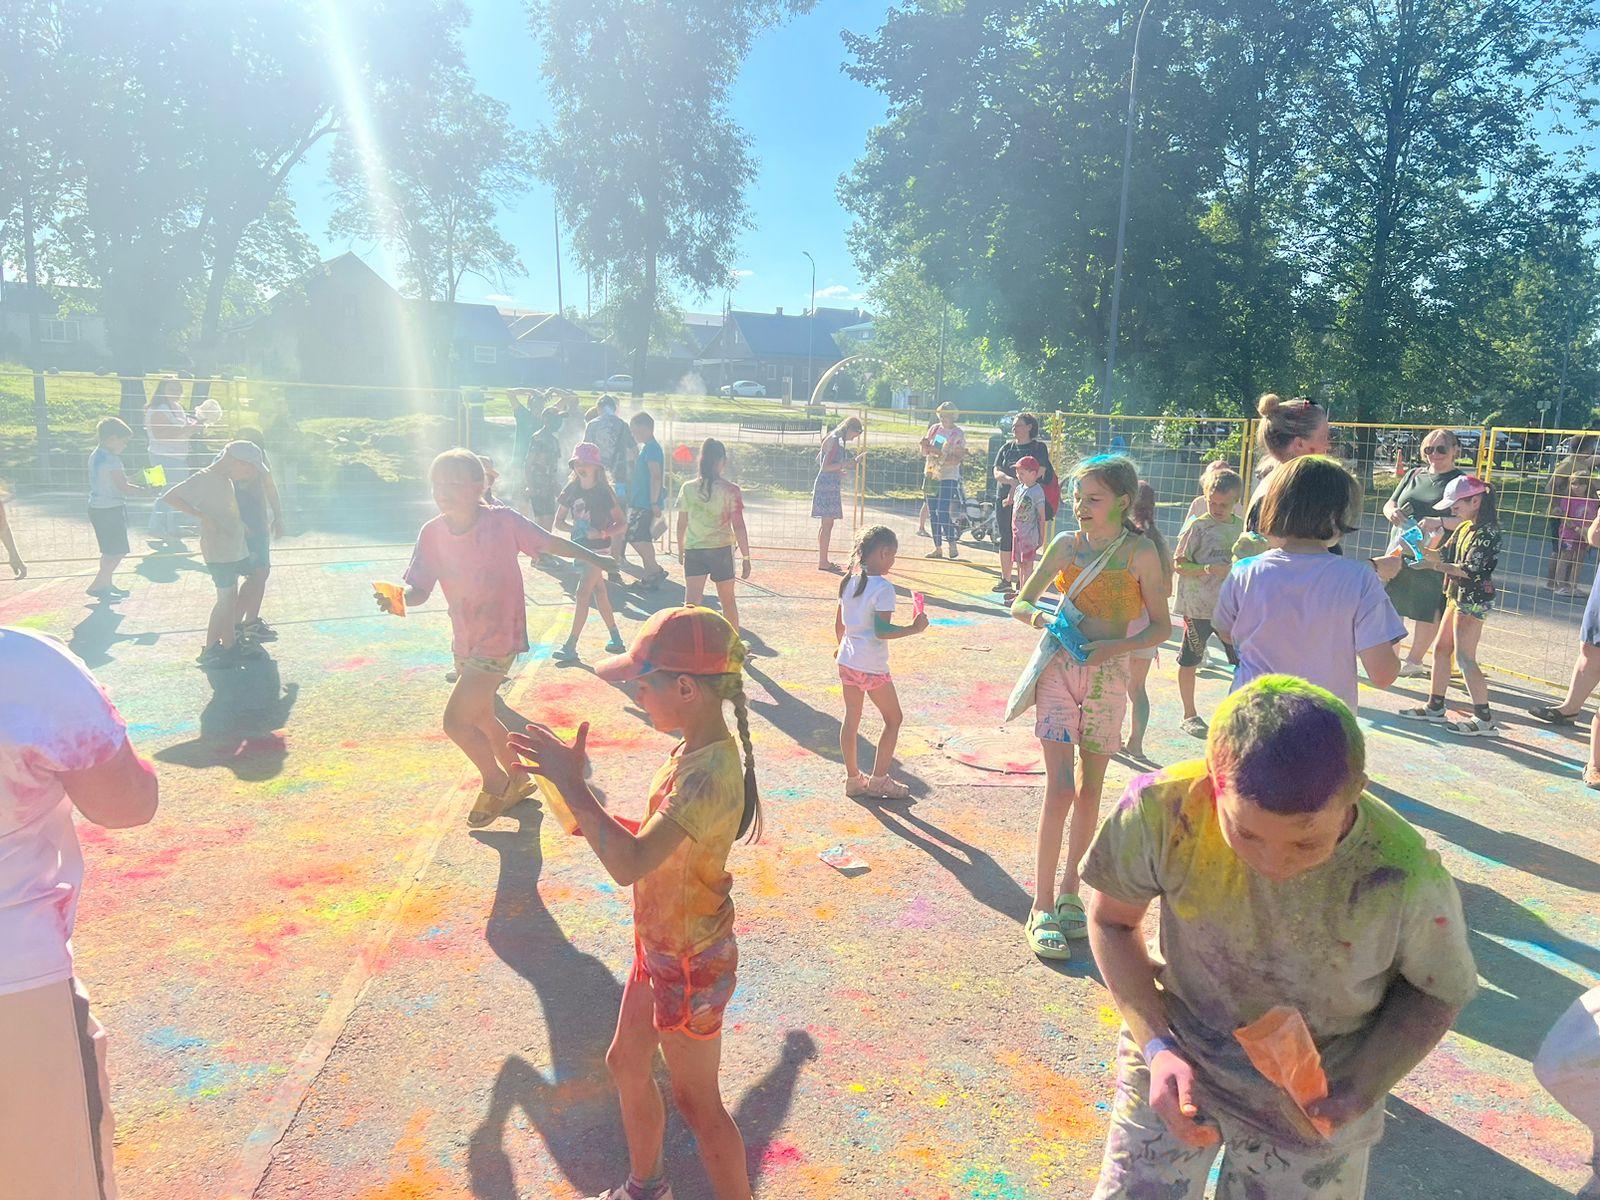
866,543
712,454
1141,519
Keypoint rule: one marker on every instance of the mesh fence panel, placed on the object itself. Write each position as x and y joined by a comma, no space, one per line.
350,463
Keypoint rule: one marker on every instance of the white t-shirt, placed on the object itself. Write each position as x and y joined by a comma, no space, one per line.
1305,614
862,648
53,718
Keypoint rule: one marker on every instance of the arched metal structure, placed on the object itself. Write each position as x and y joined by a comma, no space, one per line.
827,376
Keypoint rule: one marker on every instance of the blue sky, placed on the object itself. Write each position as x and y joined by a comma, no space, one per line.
807,123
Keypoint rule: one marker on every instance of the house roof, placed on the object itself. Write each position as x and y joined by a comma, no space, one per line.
701,329
477,323
772,335
48,299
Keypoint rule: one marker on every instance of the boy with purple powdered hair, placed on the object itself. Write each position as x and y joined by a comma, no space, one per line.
1282,883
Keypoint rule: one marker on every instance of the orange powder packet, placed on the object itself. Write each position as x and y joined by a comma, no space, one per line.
1280,1047
395,594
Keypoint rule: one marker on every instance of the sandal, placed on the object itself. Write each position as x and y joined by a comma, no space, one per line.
884,788
1552,715
857,785
1591,780
1070,916
1045,937
490,806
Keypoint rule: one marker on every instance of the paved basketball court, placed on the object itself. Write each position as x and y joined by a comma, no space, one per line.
321,984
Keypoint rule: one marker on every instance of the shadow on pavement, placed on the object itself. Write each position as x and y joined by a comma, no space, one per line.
1512,849
983,878
241,726
1421,1158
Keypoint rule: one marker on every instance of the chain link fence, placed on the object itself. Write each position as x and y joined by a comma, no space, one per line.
350,463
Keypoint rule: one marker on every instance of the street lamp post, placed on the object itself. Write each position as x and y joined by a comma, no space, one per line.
1122,209
811,323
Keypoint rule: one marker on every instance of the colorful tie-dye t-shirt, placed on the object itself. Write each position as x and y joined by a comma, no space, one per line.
685,904
1234,944
481,577
710,517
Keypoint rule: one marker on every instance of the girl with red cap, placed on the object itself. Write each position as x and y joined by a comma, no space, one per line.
686,662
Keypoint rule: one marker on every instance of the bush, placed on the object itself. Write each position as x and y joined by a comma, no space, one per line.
882,394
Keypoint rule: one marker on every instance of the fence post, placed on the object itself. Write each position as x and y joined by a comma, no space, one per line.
1485,464
41,424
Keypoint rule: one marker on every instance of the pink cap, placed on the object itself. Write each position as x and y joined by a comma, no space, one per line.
1462,487
585,454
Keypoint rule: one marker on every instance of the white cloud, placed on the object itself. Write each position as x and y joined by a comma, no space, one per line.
498,298
742,273
839,291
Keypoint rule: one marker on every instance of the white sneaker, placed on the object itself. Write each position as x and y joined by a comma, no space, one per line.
1411,670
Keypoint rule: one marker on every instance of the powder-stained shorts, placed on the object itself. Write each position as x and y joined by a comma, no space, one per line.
690,992
489,666
1082,705
1143,1159
867,681
55,1102
1197,632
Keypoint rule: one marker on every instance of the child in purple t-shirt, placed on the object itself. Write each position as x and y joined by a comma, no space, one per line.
1296,609
470,550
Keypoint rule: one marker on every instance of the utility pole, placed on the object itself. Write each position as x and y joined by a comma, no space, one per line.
1122,211
938,375
811,325
561,308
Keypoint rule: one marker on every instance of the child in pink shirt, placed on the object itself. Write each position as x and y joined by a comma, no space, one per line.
470,550
1578,508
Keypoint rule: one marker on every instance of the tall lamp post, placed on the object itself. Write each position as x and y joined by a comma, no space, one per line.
811,322
1122,210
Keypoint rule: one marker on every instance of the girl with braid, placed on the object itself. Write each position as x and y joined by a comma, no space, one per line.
686,662
863,626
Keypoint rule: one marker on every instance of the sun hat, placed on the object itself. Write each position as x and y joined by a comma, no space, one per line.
1462,487
685,641
585,454
1030,463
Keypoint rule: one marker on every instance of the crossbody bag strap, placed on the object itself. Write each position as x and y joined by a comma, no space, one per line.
1092,571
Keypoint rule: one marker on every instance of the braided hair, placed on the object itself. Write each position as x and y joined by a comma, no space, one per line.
868,542
731,687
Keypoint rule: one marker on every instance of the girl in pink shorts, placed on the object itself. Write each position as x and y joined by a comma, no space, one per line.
1114,575
685,663
863,626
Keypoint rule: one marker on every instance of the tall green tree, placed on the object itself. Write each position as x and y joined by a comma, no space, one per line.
648,165
910,320
444,161
1422,103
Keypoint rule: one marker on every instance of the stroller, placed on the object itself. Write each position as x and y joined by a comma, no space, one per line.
975,519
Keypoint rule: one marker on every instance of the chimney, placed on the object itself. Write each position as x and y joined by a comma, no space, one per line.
780,310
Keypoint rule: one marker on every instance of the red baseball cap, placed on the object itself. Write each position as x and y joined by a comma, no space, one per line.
685,641
1030,463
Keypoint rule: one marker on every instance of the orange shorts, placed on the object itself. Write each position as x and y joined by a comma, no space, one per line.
691,991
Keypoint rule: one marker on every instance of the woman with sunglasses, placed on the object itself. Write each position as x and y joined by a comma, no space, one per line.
1418,596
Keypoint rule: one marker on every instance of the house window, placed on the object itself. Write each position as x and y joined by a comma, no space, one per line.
770,372
483,354
60,332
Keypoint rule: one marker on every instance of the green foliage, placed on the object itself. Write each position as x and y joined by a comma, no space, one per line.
429,181
882,394
1348,199
648,165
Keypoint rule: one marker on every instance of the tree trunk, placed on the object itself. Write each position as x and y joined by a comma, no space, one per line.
647,312
41,403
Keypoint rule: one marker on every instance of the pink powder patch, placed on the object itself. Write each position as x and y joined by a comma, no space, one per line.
781,1154
351,664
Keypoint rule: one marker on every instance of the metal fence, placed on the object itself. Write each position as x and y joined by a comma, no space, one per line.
351,463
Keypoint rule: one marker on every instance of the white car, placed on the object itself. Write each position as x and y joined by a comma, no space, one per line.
615,383
743,387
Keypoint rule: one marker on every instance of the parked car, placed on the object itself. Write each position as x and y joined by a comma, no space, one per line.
615,383
743,387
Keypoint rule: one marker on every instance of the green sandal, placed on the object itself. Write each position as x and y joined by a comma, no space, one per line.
1071,917
1044,936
